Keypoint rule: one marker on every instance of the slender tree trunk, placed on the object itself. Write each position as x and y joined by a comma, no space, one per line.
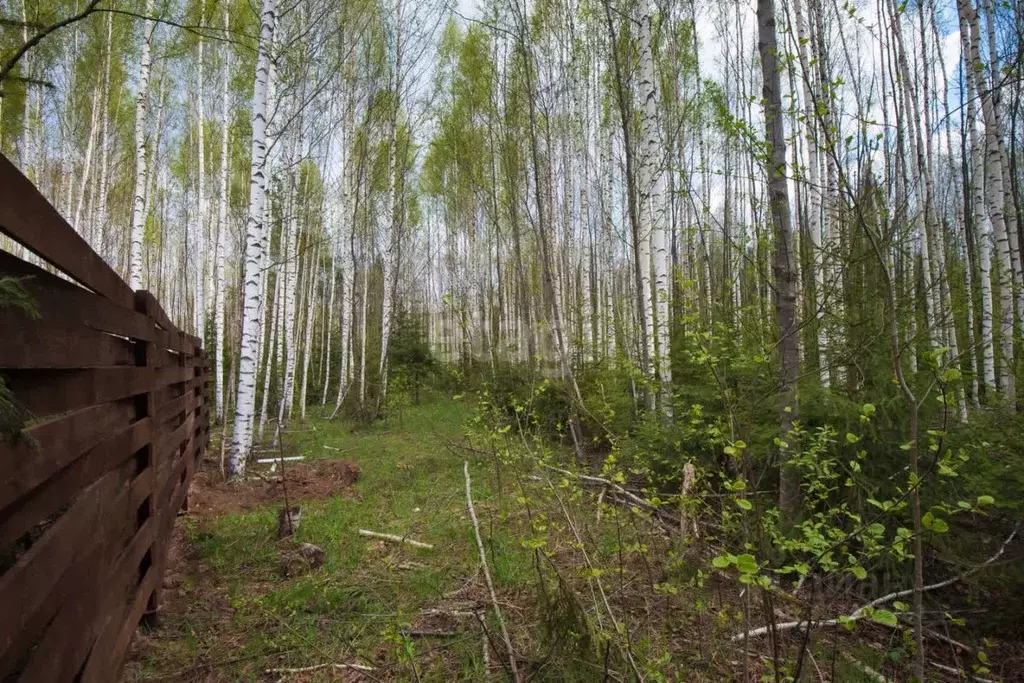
655,241
254,252
139,200
200,308
222,225
785,284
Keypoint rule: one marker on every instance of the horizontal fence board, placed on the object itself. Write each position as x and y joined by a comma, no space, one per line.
56,342
59,653
53,445
27,217
29,594
52,297
122,593
57,491
50,391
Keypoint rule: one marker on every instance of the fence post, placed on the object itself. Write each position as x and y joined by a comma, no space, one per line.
147,457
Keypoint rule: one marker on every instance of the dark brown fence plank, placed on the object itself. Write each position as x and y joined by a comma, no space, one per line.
27,217
49,391
122,587
55,444
48,498
53,297
29,592
56,342
77,598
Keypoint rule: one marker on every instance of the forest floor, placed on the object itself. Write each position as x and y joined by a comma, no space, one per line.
230,613
235,610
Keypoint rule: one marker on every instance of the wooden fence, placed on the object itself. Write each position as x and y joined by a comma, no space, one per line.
94,471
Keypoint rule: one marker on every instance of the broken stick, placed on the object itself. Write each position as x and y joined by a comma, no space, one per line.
395,539
487,576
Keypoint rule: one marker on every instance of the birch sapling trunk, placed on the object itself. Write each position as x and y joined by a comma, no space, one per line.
655,190
139,199
100,218
200,302
94,120
332,276
785,284
254,244
273,353
222,223
811,103
307,347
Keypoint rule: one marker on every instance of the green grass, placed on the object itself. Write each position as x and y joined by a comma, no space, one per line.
238,616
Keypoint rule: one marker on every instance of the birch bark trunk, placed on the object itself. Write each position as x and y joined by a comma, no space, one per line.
222,223
139,200
254,249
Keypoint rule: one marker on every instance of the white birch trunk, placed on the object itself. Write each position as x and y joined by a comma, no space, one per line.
90,145
654,241
810,124
200,275
273,353
139,200
995,197
222,225
253,279
311,297
100,217
329,324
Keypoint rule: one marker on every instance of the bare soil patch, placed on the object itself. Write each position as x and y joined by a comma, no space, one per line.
210,495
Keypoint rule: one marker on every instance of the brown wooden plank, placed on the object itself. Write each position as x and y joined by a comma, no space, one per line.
107,655
169,442
53,445
146,301
93,615
174,407
28,589
55,492
82,594
27,217
57,342
56,297
49,391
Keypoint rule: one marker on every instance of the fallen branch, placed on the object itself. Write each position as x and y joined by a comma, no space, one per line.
267,461
961,674
861,611
395,539
317,667
621,490
865,669
487,575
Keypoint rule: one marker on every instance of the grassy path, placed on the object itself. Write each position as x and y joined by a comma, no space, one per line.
231,615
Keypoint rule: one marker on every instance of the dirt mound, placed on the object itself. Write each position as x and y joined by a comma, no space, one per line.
210,495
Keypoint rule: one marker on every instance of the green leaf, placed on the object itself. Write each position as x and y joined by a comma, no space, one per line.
721,562
884,616
986,500
933,523
747,564
852,438
868,409
859,572
744,504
